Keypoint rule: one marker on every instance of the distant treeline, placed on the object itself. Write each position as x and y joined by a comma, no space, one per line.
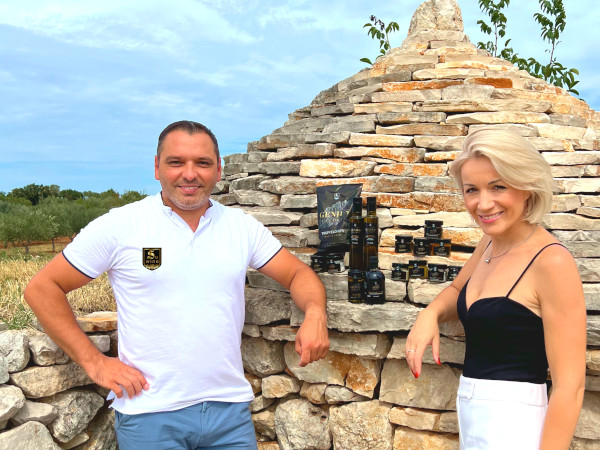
43,213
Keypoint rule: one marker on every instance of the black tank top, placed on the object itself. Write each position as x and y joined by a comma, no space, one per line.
504,338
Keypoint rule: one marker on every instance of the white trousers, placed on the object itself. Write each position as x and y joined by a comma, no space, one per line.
500,414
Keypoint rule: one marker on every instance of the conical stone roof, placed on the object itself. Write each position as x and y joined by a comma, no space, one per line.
395,126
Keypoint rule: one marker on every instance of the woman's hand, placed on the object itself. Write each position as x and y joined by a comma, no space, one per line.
424,332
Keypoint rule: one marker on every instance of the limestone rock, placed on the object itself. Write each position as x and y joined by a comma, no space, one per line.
339,394
440,143
291,236
413,170
359,344
264,422
314,392
272,216
265,306
336,168
75,411
14,346
592,383
587,425
289,185
448,423
376,108
592,360
425,128
36,382
391,118
565,221
498,117
260,402
262,357
584,444
336,137
423,292
435,388
356,317
576,185
359,374
98,321
29,436
268,445
361,425
34,412
222,187
256,198
279,168
405,438
298,201
250,183
4,375
278,386
407,155
11,401
417,419
572,158
255,382
380,140
76,441
251,330
302,425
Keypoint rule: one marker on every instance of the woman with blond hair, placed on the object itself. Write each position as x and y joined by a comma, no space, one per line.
520,300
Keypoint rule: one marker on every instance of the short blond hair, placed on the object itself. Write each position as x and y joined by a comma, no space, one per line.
517,162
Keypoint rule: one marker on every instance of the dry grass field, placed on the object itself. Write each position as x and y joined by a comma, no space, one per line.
16,270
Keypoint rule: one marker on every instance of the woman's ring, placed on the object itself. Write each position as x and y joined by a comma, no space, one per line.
409,351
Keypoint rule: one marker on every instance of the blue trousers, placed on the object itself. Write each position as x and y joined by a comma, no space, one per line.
206,425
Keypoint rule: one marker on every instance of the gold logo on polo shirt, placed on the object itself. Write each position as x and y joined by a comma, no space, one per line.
151,258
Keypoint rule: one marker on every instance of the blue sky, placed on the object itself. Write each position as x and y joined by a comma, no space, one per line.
86,87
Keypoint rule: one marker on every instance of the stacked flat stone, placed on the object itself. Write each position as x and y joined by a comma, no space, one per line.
47,401
394,128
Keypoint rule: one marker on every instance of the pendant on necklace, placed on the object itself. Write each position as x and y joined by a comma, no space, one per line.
487,260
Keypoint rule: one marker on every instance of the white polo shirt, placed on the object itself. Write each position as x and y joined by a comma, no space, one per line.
180,297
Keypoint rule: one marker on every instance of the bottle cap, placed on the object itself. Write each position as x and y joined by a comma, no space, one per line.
371,203
357,204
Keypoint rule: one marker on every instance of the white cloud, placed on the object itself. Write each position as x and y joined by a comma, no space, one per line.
144,25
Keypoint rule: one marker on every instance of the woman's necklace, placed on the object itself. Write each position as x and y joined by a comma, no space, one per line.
489,258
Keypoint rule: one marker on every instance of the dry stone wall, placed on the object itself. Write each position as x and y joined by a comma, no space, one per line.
47,401
395,128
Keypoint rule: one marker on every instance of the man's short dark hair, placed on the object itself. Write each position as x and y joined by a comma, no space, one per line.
189,127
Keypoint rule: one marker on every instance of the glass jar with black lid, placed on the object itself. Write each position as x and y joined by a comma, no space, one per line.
437,273
421,247
433,229
417,269
399,272
404,244
440,247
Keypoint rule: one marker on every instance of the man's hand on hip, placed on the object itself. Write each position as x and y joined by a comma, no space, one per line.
117,376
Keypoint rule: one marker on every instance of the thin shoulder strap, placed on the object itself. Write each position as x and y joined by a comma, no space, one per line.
530,263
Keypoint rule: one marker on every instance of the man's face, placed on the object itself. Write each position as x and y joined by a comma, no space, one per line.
188,170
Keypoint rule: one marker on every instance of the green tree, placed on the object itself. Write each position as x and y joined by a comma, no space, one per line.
378,30
62,211
31,225
36,192
552,19
70,194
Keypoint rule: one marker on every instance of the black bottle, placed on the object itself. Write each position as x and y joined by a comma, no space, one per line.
371,229
374,283
356,286
357,236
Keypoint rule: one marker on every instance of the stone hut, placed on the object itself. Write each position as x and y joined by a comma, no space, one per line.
394,128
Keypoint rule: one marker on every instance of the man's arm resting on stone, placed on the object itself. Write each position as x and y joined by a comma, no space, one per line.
46,295
308,293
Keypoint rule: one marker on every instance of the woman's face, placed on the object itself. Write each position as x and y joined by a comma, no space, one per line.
495,206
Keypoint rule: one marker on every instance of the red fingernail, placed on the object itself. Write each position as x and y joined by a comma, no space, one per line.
416,374
437,360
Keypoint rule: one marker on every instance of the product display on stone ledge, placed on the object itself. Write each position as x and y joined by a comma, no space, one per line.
393,129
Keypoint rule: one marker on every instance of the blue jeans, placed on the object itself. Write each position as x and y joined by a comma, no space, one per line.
210,425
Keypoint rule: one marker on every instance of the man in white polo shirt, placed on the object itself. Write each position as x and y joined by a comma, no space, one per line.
177,263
